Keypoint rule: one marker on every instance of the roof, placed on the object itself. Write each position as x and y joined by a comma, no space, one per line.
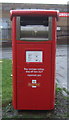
34,12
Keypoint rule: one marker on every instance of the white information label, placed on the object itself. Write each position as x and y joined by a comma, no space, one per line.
33,56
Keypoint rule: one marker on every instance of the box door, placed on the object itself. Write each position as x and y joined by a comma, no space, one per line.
33,76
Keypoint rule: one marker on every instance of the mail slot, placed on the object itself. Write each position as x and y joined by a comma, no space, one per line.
34,50
34,28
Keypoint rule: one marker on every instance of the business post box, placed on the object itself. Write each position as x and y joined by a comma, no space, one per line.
34,49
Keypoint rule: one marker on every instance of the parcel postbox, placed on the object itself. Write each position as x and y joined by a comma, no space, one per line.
34,49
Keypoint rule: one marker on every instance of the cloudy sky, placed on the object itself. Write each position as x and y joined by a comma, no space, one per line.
36,1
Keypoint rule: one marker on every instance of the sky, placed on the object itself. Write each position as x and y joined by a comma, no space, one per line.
36,1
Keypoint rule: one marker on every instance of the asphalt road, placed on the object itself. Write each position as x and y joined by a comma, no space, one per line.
61,64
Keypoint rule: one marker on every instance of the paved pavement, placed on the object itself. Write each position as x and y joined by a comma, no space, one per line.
6,53
61,66
61,63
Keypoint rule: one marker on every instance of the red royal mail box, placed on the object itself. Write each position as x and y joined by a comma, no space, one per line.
34,48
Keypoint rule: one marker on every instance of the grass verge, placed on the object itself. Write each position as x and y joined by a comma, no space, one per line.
6,81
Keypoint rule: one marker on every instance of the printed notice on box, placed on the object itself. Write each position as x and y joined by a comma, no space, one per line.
33,56
34,71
